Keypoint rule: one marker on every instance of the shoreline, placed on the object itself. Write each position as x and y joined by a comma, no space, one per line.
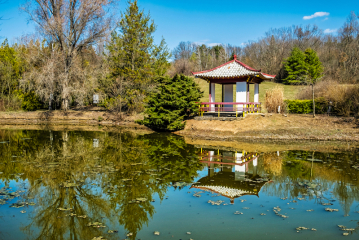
252,128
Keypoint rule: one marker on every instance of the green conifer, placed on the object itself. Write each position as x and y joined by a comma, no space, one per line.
133,57
295,67
174,101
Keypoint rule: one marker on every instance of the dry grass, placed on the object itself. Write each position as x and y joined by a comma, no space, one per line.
275,99
345,97
277,127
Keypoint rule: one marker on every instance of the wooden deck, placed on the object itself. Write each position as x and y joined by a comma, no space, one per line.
238,108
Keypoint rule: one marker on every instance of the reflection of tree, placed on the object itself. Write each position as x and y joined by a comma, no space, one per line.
116,181
327,170
174,159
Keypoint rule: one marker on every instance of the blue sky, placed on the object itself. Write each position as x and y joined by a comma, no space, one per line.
213,21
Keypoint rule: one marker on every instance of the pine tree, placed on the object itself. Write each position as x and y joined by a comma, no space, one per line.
174,101
295,67
134,58
315,70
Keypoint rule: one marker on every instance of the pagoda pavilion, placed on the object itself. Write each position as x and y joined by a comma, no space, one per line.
229,74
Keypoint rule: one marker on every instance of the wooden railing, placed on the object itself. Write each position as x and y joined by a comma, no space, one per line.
230,107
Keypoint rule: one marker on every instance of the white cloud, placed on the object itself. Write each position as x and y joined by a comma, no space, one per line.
243,44
330,30
317,14
325,19
206,42
201,42
213,44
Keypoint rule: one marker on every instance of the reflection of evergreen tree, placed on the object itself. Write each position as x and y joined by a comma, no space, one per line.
173,158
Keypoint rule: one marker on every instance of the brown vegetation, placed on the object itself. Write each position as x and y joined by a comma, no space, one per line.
71,27
276,127
344,97
274,99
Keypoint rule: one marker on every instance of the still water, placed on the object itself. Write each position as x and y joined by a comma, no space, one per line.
121,185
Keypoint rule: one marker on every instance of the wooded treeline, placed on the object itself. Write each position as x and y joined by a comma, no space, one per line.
81,48
339,52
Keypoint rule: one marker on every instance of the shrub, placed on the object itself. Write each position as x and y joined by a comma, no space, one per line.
10,103
174,101
29,100
275,98
306,106
344,97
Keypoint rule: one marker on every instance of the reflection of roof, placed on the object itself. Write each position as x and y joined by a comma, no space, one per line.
225,184
224,191
232,69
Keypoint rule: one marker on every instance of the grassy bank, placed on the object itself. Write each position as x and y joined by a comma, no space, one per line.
276,127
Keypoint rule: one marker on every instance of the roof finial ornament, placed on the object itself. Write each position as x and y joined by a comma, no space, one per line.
235,57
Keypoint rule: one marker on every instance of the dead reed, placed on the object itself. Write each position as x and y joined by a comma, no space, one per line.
344,97
274,99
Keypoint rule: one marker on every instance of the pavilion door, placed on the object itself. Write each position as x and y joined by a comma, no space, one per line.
227,96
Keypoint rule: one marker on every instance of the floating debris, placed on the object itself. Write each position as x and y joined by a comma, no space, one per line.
345,234
310,210
245,208
23,211
96,224
331,210
301,228
189,233
17,205
219,202
327,204
238,213
313,229
276,210
98,238
129,234
83,216
64,209
263,214
243,200
157,233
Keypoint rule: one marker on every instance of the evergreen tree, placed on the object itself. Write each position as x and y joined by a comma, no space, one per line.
11,67
174,101
295,67
315,70
133,56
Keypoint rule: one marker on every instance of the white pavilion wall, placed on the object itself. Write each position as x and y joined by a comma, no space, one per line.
241,92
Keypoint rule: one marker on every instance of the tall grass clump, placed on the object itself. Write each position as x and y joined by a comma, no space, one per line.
343,97
275,98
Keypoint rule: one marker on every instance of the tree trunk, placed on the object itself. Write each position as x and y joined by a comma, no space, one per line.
121,98
313,101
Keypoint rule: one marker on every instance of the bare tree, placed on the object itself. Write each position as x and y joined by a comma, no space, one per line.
72,25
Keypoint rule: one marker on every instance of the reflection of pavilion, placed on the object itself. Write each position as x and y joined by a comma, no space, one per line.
238,175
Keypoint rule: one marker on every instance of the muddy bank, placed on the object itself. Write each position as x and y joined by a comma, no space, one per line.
69,118
275,127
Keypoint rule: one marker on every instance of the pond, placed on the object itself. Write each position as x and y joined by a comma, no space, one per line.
124,185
